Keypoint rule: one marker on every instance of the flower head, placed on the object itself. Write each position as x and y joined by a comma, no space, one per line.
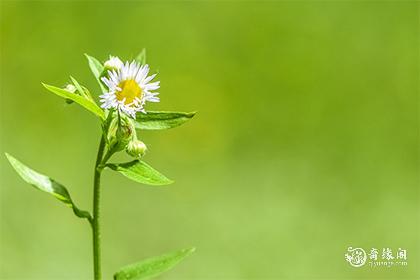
129,87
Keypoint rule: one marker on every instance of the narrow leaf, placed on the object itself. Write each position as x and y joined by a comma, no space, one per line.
140,172
141,57
77,85
82,90
46,184
81,100
152,267
97,68
155,120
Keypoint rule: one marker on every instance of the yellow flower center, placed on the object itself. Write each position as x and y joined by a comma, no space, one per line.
129,90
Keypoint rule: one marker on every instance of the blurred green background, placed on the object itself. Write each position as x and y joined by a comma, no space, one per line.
306,140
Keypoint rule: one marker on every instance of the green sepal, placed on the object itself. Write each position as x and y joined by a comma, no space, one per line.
141,57
81,100
156,120
152,267
46,184
140,172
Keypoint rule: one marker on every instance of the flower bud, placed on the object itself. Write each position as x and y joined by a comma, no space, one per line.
70,88
113,63
136,148
120,133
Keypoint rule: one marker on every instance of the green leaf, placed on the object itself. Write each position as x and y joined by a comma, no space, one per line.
81,100
97,68
155,120
46,184
140,172
152,267
141,57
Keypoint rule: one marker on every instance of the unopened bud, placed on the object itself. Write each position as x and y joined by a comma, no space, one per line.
120,133
113,63
136,148
70,88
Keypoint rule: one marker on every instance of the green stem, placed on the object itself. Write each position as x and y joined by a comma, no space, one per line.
96,212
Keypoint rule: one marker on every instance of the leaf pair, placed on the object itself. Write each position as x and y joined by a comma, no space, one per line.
152,120
137,171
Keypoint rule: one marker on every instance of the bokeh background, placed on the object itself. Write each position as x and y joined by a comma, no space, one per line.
306,139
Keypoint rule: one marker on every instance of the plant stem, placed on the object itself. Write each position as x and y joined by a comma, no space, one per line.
96,212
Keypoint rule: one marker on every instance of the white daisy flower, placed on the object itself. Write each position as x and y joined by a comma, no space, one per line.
129,88
113,63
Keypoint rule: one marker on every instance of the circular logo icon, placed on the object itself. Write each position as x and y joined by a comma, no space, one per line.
356,256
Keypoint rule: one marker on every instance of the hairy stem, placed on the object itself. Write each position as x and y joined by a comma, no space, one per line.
96,212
